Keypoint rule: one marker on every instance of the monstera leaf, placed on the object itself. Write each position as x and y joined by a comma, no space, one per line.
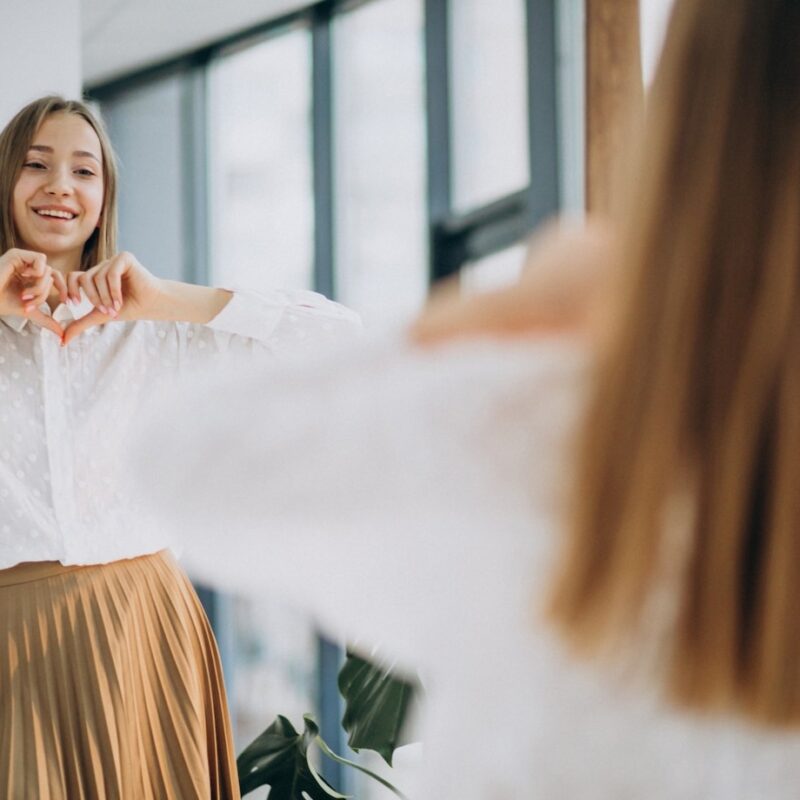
279,757
376,706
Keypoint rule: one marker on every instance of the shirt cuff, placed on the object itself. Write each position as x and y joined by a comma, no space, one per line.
256,315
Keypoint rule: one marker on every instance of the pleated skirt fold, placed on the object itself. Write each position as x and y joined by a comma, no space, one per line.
110,685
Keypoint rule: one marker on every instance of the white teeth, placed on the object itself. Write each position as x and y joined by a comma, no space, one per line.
46,212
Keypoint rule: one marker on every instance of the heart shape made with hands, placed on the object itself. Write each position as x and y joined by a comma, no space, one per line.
99,288
82,323
73,328
106,287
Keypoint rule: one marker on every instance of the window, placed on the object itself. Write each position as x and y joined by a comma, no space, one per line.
262,226
379,159
489,119
144,124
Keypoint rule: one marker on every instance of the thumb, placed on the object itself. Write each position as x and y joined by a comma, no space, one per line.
45,321
94,317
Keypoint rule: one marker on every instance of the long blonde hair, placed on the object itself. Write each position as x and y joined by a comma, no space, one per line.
15,140
700,385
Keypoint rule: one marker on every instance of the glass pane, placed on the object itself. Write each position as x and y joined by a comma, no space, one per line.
489,96
381,241
262,233
145,128
262,237
495,271
274,658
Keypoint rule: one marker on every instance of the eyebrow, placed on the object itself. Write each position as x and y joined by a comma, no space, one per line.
43,148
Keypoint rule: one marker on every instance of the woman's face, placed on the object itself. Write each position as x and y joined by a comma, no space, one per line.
58,197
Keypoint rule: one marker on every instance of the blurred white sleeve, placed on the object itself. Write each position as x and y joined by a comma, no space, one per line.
399,495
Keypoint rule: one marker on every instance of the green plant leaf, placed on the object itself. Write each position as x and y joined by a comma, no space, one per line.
328,752
377,705
278,757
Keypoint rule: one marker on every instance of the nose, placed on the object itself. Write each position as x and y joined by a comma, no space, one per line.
59,183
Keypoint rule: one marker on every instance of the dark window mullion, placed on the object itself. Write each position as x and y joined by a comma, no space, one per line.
459,238
437,77
194,128
322,136
544,198
329,655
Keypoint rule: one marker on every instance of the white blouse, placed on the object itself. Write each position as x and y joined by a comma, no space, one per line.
67,414
412,498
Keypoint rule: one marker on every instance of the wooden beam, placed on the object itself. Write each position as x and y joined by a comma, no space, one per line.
614,93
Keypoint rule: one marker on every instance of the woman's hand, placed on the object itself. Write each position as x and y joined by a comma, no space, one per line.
557,293
119,288
27,281
122,289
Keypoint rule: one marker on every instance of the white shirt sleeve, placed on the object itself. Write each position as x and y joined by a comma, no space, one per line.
370,486
253,328
285,319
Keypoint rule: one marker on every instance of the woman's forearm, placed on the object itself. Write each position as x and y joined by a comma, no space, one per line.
186,302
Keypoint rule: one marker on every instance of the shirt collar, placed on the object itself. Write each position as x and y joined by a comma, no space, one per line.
62,313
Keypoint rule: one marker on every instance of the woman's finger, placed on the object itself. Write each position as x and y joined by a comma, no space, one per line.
35,288
31,264
41,295
95,317
103,290
86,282
60,285
74,287
115,273
46,321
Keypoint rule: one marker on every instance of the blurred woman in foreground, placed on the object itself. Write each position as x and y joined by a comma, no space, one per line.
663,388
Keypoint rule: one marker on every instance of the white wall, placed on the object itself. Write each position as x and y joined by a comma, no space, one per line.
41,52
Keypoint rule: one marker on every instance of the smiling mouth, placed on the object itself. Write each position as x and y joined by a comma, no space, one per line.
53,214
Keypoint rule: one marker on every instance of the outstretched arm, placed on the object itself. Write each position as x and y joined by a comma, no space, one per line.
558,293
122,289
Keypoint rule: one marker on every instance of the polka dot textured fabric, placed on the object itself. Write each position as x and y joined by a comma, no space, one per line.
67,414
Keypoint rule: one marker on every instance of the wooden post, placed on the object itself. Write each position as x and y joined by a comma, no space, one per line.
614,92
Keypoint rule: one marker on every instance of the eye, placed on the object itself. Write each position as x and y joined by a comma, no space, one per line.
85,172
34,165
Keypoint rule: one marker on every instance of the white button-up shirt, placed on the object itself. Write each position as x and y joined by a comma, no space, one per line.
67,415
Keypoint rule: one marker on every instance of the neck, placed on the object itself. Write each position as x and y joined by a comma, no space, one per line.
65,262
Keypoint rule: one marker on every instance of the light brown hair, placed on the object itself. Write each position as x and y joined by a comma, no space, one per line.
15,140
699,386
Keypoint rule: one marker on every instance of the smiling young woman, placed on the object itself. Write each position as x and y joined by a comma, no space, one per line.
109,674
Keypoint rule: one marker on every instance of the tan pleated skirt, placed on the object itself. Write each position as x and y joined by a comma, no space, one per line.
110,685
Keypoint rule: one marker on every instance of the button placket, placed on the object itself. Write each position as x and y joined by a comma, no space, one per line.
57,400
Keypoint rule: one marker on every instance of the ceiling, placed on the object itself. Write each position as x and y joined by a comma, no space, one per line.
118,36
